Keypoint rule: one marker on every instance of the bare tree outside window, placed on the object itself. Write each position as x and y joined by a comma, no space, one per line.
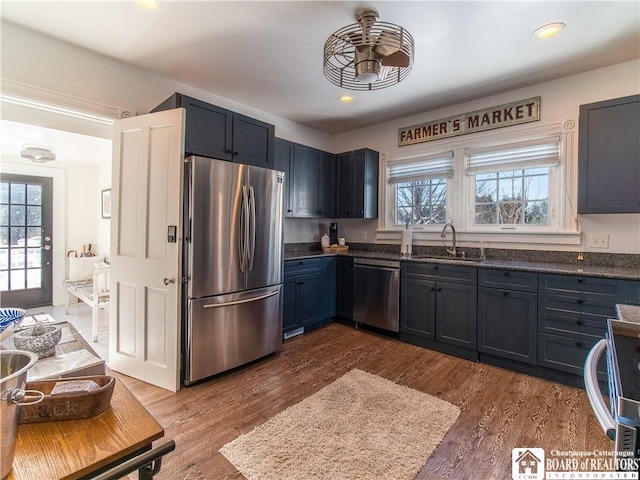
422,202
514,197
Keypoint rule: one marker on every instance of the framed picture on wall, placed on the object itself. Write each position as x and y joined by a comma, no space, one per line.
106,203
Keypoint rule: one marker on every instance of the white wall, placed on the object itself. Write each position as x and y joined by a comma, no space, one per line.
560,102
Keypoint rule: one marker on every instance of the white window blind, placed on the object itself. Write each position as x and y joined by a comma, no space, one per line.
515,156
422,168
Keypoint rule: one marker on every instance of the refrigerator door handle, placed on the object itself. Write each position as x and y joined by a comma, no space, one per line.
252,228
242,237
246,300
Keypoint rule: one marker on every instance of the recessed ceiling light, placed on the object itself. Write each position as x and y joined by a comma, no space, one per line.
148,3
346,98
549,30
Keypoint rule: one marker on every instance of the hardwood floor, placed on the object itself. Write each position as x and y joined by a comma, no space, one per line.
500,409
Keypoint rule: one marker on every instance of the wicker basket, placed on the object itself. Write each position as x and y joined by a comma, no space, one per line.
335,249
71,406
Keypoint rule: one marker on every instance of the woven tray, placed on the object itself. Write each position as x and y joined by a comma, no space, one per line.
68,406
336,249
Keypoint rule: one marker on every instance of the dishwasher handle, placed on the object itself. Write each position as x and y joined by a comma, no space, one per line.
396,271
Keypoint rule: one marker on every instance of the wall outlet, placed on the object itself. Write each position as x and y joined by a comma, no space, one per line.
363,234
599,240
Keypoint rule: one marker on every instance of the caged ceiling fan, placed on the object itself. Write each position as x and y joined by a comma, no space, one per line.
368,55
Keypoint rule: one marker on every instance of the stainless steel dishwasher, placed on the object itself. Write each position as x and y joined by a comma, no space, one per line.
376,291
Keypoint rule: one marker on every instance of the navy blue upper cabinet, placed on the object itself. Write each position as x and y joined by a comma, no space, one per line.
357,181
309,187
215,132
609,156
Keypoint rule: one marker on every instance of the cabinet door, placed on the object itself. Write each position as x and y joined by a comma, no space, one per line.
608,152
456,314
507,324
308,301
208,130
306,172
328,286
283,156
418,307
344,284
327,190
253,141
345,185
358,174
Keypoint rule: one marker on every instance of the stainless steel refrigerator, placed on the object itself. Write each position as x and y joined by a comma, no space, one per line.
233,263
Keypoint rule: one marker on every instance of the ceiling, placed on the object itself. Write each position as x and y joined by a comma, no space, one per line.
68,147
269,54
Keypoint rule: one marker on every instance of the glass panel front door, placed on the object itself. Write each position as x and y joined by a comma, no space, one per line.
25,240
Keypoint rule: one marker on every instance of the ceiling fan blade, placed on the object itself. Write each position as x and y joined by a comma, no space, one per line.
388,48
395,59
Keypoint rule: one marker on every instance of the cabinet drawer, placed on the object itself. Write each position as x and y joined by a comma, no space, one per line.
299,267
566,354
450,273
580,328
576,307
508,280
598,288
634,293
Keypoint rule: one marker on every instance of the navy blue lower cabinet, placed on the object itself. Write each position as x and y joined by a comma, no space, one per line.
456,314
328,269
309,293
634,293
418,307
344,287
438,308
507,324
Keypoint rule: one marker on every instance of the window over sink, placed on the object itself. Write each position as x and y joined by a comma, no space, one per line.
493,187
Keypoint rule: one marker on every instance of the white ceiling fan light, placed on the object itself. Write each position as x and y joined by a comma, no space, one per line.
38,154
368,55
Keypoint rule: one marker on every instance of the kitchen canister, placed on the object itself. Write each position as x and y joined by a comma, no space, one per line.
14,365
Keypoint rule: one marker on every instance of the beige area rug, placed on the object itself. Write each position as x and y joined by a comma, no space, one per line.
359,427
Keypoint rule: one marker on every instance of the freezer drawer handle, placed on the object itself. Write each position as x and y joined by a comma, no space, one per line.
237,302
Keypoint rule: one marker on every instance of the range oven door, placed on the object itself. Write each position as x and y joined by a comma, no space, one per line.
624,431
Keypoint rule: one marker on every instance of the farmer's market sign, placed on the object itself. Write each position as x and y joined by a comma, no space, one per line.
505,115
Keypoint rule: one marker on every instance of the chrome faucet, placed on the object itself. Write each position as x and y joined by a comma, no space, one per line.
451,251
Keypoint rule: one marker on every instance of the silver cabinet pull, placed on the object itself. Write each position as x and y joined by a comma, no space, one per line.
168,281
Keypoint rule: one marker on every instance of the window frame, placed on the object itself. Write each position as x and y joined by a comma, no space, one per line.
388,198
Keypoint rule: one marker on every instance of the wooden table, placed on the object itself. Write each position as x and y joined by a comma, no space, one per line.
76,449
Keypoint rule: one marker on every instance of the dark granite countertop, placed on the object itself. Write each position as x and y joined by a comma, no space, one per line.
628,313
626,273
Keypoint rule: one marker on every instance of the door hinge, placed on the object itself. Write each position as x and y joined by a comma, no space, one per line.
182,279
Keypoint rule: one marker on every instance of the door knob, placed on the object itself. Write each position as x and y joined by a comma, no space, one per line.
47,239
47,247
168,281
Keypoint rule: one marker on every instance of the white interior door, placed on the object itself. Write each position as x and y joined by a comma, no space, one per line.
146,195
